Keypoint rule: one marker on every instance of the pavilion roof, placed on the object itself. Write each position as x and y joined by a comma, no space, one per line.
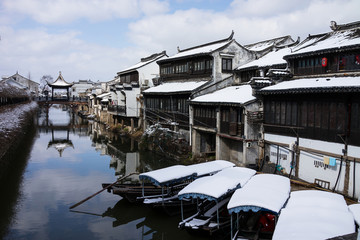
60,82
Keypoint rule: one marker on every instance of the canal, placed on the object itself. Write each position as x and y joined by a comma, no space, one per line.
64,159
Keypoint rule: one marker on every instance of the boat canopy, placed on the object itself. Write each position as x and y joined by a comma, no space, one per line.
218,185
314,214
265,192
178,173
355,210
208,168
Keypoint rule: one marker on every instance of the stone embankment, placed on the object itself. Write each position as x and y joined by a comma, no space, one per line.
14,121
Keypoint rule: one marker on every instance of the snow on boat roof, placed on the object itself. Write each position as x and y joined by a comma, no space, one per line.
173,87
210,167
312,83
272,58
313,214
261,192
216,186
168,175
234,94
177,173
355,210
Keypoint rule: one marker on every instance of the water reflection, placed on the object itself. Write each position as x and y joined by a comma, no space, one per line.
55,180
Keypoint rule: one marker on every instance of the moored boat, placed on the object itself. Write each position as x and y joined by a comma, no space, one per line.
175,178
166,182
214,192
257,205
314,214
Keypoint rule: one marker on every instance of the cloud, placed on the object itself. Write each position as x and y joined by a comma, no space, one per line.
252,21
39,52
66,11
136,29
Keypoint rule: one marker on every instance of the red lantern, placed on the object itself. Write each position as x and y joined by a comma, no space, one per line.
324,62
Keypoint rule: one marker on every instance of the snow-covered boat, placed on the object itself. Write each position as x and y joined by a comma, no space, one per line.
256,206
166,182
314,214
173,179
214,192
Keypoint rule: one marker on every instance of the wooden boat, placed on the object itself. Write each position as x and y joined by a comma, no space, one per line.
314,214
213,218
166,182
257,205
168,202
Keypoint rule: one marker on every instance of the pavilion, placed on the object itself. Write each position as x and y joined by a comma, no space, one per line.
60,83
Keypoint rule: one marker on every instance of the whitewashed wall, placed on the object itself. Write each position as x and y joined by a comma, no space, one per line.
312,166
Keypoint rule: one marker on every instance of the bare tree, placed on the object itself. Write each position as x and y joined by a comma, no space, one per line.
44,80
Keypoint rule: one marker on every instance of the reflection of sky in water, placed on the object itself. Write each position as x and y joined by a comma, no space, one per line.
52,183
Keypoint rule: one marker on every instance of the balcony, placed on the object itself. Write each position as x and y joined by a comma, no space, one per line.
117,110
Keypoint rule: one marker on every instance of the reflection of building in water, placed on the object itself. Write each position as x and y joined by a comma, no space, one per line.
60,143
61,121
61,117
124,157
124,163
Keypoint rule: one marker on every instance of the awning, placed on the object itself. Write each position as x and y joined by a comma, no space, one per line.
267,192
218,185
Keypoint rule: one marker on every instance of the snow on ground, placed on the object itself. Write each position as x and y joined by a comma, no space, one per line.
11,119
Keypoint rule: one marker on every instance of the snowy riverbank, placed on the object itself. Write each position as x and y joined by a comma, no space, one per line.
13,119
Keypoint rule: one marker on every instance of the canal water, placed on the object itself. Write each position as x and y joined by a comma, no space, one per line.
65,159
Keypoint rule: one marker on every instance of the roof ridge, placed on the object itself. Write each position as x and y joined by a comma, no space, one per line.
210,43
153,56
272,39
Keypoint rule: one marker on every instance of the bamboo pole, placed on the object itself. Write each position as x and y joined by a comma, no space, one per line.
84,200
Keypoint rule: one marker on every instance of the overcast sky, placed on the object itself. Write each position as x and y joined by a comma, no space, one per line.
95,39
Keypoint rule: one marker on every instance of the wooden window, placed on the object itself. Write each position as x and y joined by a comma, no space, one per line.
226,64
311,114
317,114
208,64
304,111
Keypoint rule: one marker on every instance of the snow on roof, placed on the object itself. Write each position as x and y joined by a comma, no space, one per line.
337,39
234,94
178,173
259,46
355,210
311,83
311,39
143,62
262,192
60,82
200,50
272,58
13,83
216,186
103,95
313,214
173,87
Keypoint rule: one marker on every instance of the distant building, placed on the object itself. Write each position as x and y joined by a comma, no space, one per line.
125,101
79,88
26,83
